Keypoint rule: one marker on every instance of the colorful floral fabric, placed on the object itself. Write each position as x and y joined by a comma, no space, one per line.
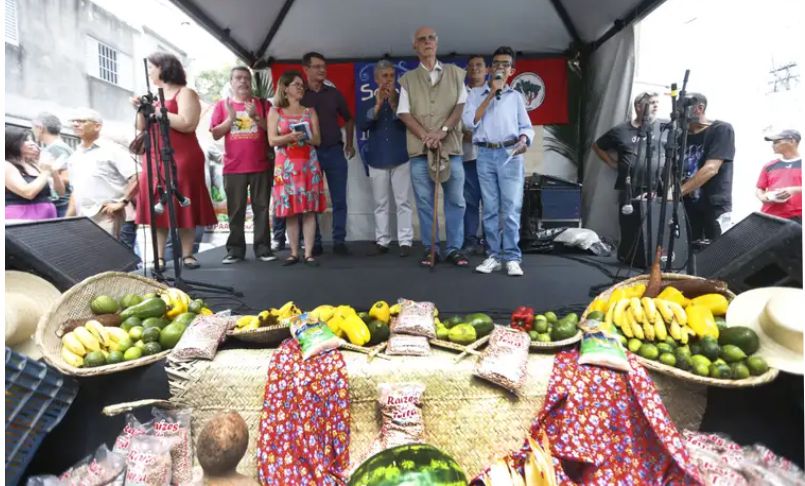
298,182
304,427
608,427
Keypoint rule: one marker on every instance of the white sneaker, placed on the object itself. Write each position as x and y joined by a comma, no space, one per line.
489,265
513,269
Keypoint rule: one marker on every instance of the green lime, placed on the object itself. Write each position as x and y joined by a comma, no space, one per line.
670,342
132,353
151,348
540,323
131,322
683,350
720,371
757,365
732,354
649,351
115,357
151,335
721,323
136,333
103,304
173,333
665,348
140,344
740,371
572,317
623,340
196,306
95,358
668,359
701,369
129,300
695,348
709,348
634,345
551,317
544,337
534,335
597,315
683,361
698,359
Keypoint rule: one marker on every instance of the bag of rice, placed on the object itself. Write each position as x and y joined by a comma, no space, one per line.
601,348
149,461
407,345
202,337
313,336
504,361
132,429
415,318
176,423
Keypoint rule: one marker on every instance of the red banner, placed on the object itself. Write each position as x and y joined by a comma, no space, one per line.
341,75
543,83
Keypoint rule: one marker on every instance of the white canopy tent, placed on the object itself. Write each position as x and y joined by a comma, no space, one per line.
261,32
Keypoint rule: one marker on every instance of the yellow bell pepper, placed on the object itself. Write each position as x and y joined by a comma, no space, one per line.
616,296
336,324
717,303
356,330
701,320
394,310
672,294
636,290
380,311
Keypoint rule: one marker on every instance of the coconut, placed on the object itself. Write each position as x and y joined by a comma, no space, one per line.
222,443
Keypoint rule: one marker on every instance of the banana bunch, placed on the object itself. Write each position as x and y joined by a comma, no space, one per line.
650,319
92,336
176,300
247,323
538,468
268,317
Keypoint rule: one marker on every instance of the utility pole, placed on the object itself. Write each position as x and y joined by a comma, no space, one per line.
784,78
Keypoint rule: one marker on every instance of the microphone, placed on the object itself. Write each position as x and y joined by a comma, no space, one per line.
627,208
159,207
498,76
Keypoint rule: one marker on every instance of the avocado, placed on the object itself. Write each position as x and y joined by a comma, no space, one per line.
185,318
482,323
740,336
564,329
153,307
378,331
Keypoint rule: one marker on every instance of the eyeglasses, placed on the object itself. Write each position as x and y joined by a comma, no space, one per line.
429,37
297,85
317,66
503,64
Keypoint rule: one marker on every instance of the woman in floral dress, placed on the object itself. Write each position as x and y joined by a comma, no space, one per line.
298,182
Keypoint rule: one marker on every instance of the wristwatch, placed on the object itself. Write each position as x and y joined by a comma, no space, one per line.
445,128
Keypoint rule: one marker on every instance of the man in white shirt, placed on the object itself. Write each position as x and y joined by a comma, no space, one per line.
103,175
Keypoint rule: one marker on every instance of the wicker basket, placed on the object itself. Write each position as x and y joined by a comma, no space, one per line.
271,336
767,377
74,304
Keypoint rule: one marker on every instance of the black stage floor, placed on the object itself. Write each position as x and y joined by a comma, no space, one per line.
551,281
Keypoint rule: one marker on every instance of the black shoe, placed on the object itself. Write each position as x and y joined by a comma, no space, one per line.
378,250
268,256
317,250
231,259
339,249
405,250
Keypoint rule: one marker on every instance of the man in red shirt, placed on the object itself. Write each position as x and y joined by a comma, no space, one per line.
241,120
779,186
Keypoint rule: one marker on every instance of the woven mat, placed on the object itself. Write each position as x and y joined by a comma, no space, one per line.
471,420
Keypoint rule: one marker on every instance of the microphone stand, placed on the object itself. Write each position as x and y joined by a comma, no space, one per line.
645,130
160,127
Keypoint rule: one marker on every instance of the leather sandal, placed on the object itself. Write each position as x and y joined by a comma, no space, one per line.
190,262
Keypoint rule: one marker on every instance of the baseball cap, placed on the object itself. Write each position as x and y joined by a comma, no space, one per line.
87,114
787,134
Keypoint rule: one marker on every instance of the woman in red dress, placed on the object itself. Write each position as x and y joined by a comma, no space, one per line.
184,110
298,182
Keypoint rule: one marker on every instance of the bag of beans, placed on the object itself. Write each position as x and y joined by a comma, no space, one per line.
313,336
149,461
407,345
202,338
505,360
415,318
176,423
104,467
132,429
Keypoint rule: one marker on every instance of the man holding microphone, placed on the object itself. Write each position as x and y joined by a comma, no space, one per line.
502,132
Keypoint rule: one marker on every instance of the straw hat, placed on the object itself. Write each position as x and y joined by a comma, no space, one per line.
28,298
775,314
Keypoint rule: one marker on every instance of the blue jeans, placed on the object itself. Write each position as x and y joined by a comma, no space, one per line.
472,197
128,235
453,202
502,192
334,165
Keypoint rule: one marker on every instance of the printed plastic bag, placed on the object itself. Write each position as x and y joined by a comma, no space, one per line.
601,348
132,429
415,318
314,337
504,362
406,345
149,461
176,423
104,467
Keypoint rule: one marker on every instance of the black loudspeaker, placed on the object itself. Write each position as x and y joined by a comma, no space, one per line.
759,251
634,228
66,251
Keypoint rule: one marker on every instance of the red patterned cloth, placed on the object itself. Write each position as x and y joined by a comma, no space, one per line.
304,427
608,427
